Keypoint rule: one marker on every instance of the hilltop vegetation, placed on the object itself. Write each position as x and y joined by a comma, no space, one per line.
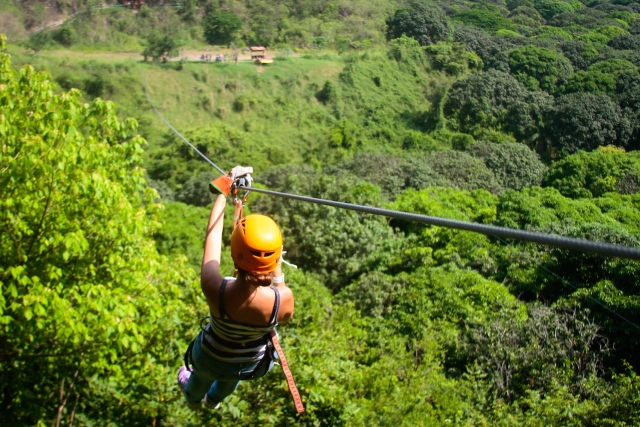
524,114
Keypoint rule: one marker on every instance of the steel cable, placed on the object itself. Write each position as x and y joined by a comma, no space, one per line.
570,243
174,129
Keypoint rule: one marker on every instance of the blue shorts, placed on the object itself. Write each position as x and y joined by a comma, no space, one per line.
217,379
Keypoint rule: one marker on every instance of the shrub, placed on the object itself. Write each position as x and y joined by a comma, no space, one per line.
66,36
328,93
453,58
161,46
625,42
592,82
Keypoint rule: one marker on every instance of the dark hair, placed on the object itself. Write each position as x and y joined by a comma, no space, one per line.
254,279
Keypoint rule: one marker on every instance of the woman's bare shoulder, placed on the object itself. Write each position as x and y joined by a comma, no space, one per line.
286,304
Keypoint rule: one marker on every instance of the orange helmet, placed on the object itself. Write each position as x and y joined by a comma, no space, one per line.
256,244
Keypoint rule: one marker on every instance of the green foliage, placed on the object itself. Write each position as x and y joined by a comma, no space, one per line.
546,31
539,68
422,20
453,58
580,54
221,27
484,16
329,242
614,66
39,41
515,166
496,100
181,232
593,174
407,51
583,121
550,8
161,46
625,42
508,34
476,40
66,36
592,82
328,93
525,15
458,348
88,308
463,171
319,42
550,348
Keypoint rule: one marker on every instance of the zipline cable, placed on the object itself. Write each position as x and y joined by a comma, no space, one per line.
174,129
570,243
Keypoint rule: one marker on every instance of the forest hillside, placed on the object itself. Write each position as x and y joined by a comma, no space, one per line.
520,113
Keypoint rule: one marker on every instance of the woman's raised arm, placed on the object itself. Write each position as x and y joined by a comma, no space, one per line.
210,277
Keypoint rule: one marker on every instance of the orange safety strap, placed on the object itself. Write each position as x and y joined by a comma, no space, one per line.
297,401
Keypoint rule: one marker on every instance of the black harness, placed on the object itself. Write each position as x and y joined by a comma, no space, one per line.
263,366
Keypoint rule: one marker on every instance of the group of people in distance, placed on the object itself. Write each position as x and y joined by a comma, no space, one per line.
205,57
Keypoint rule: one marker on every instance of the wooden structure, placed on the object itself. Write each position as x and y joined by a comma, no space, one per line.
258,52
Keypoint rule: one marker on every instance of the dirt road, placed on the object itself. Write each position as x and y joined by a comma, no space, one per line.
188,54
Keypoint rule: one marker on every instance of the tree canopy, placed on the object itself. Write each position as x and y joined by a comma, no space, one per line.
496,100
221,27
584,121
539,68
423,20
85,299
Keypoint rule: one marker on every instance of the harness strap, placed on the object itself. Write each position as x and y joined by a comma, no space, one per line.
187,356
223,313
297,400
276,307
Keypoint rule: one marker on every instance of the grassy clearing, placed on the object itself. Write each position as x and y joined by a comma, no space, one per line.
316,109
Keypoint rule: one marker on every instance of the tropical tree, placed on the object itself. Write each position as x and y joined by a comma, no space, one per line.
585,121
221,27
485,16
496,100
475,40
514,165
423,20
591,174
625,42
162,46
539,68
87,306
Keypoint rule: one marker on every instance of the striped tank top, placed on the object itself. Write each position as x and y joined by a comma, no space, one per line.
229,341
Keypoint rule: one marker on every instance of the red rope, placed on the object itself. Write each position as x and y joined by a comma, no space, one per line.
297,400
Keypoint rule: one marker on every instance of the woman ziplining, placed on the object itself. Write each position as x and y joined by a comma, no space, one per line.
240,341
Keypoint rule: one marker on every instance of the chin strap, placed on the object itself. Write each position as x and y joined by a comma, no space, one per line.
297,400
